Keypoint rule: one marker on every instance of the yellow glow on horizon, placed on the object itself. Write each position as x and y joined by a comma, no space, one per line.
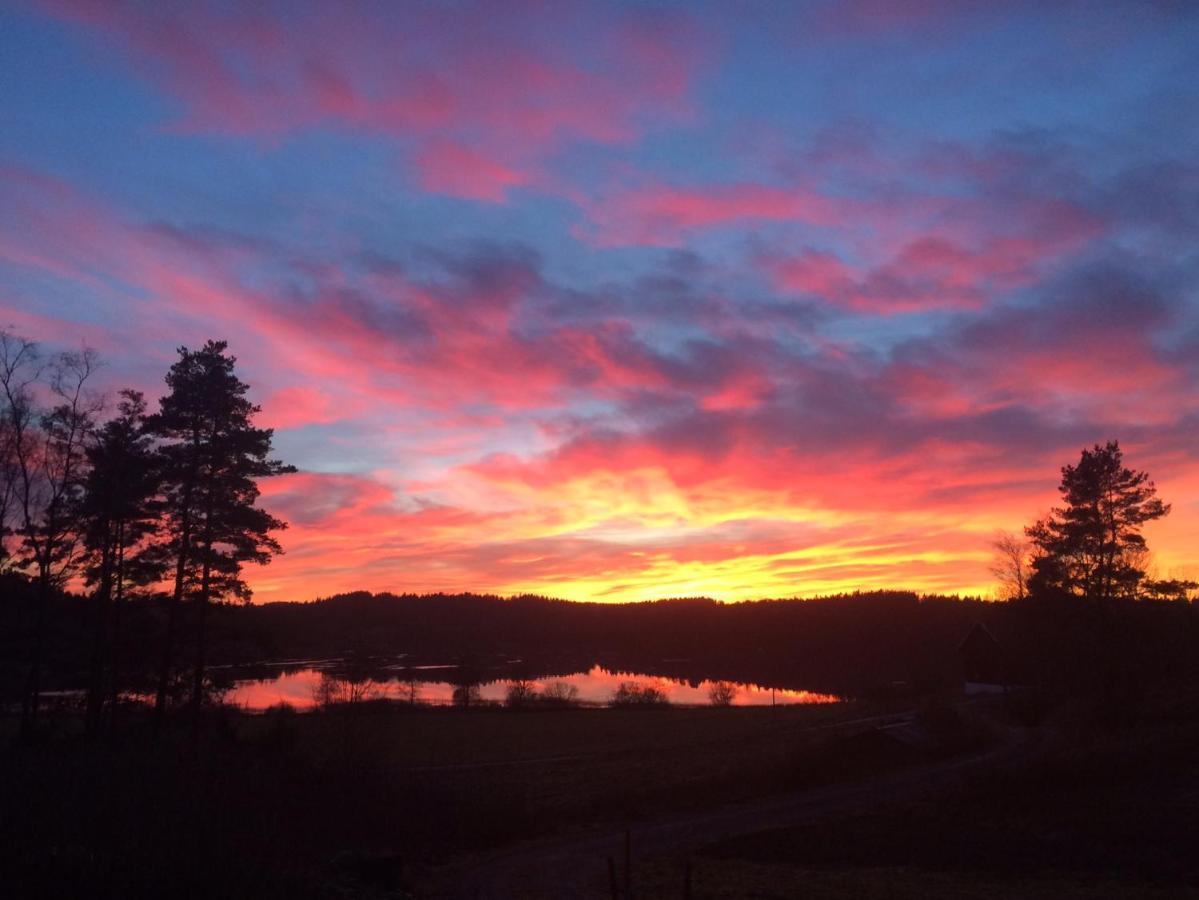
646,533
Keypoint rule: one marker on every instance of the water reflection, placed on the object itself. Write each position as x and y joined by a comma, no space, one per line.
300,688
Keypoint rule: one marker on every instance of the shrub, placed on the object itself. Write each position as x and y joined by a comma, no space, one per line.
520,694
722,693
631,693
332,691
560,693
466,695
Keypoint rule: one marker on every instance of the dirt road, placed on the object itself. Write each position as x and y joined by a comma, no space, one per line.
576,865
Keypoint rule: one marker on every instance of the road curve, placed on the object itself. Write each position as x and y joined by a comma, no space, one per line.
576,865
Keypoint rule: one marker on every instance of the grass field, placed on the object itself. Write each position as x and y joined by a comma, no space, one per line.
1106,816
378,801
267,804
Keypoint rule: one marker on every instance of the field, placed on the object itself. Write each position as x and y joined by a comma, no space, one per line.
1108,815
377,800
275,804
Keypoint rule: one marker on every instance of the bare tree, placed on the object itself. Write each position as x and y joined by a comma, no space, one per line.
1140,559
8,486
1011,565
342,690
722,693
521,693
49,463
410,689
20,369
560,693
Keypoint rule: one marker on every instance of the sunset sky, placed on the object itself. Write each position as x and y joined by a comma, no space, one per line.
621,302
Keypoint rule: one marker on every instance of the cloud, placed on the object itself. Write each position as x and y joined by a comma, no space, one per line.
661,215
696,326
739,460
1090,345
512,98
450,168
928,273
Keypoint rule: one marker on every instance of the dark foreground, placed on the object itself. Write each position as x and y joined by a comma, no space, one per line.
1109,817
383,802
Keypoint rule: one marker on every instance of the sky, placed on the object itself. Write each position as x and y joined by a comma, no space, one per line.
628,301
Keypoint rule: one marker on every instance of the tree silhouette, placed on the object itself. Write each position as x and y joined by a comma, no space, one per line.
117,513
1092,546
335,690
1011,565
9,476
520,693
47,465
631,693
722,693
560,693
466,695
212,457
1168,590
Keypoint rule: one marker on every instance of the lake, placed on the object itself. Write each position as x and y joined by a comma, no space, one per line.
299,687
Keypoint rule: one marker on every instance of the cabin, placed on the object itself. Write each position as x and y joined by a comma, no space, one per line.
984,668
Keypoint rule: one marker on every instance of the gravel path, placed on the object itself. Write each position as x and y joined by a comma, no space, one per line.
576,865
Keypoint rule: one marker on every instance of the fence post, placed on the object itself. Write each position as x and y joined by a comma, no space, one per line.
628,863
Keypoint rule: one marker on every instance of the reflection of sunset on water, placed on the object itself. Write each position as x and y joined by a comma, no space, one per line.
595,686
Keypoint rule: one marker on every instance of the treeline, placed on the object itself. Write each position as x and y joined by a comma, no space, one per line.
849,642
854,644
131,504
860,643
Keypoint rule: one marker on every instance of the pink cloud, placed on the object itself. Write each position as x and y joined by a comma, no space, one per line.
661,215
510,100
964,255
813,272
448,167
298,405
385,338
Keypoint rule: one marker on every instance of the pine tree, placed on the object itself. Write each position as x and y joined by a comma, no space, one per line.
118,513
211,458
1092,546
